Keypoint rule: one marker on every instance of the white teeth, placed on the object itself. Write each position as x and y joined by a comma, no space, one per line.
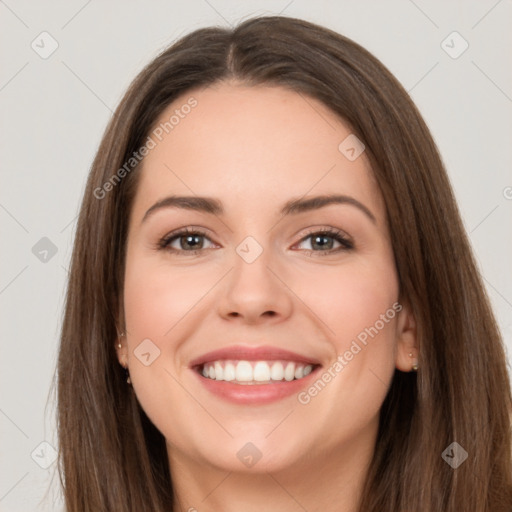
218,371
229,371
253,372
289,371
243,371
277,372
261,371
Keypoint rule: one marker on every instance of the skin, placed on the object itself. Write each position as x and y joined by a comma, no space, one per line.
239,145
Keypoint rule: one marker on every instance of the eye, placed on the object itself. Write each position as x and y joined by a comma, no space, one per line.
323,241
187,240
191,242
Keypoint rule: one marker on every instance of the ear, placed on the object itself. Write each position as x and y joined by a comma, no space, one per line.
406,339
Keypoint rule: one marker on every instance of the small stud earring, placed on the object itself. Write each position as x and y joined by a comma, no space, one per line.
415,364
127,373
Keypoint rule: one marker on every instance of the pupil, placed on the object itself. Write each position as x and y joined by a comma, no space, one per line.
190,238
322,238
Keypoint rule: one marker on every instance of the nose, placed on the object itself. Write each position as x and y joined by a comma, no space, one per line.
255,292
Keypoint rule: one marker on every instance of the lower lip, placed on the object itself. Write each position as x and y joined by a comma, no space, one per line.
254,394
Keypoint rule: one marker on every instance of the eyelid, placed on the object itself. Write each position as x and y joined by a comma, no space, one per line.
327,230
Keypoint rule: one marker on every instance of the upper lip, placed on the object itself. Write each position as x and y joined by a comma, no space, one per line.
246,353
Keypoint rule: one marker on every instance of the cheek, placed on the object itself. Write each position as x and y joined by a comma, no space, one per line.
364,306
358,306
157,301
352,299
157,297
162,304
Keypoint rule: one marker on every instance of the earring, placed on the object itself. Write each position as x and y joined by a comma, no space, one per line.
127,375
415,364
120,335
128,380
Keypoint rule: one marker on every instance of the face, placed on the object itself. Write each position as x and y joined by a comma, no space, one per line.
308,293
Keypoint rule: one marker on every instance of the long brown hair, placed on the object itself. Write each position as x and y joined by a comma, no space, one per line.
111,457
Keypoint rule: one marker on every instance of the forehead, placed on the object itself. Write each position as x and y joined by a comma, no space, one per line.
250,145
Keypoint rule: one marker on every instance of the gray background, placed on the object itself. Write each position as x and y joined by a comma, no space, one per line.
54,111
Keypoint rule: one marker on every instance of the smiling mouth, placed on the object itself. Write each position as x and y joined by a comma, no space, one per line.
255,372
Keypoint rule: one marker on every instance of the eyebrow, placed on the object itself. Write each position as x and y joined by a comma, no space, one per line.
293,206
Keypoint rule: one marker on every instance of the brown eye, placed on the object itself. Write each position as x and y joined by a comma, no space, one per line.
190,241
325,241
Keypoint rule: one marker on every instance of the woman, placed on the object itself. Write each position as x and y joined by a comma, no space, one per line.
270,247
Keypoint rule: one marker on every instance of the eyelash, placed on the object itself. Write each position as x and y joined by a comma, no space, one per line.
346,244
